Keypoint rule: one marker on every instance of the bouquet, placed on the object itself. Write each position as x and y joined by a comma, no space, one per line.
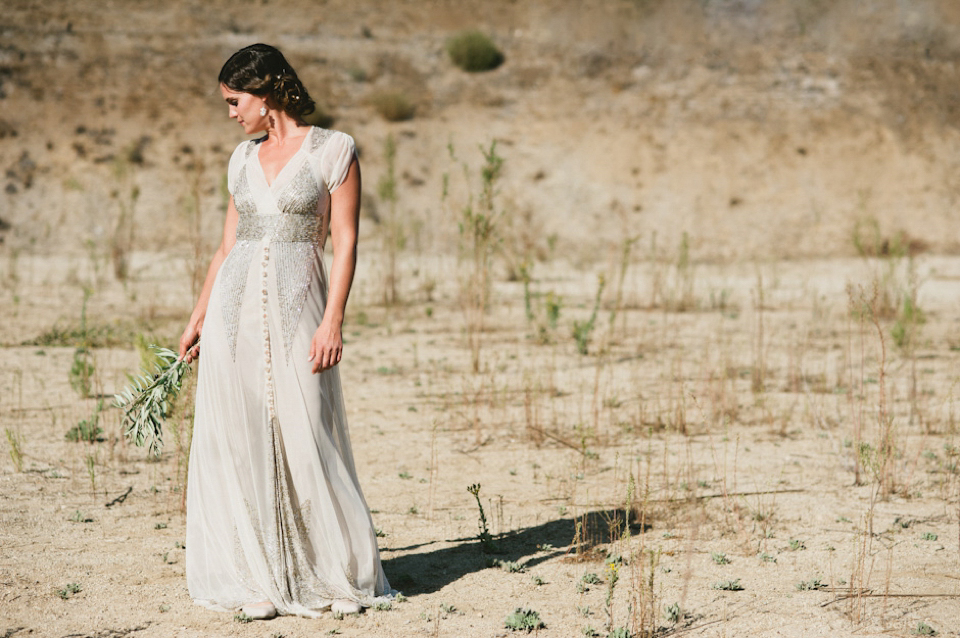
150,397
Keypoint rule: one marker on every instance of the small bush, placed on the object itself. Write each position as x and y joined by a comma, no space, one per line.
810,585
393,106
474,52
590,578
81,372
524,620
509,566
729,585
69,590
720,558
87,430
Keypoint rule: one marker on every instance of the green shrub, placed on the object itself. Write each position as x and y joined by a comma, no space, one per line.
393,106
524,620
474,52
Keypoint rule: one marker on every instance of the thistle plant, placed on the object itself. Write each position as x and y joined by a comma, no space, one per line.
149,399
486,539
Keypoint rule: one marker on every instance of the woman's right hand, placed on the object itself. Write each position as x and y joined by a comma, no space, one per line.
189,341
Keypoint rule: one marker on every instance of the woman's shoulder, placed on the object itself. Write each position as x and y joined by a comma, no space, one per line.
325,138
244,148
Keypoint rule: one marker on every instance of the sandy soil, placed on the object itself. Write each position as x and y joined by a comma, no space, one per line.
742,418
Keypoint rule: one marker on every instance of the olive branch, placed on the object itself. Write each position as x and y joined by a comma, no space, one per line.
150,398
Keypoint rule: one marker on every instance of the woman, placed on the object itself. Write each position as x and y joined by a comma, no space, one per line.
276,521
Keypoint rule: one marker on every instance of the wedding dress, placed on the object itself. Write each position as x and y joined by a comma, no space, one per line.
274,508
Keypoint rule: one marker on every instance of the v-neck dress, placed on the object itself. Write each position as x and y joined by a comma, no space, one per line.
274,508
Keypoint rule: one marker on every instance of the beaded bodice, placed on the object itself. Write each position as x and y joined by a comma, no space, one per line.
285,224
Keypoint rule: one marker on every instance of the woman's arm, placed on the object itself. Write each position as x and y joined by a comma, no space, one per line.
189,349
326,349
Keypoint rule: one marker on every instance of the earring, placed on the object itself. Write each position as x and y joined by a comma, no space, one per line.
263,111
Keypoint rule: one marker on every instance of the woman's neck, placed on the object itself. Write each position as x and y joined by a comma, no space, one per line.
283,127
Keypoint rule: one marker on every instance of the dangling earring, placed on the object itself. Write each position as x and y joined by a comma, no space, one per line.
263,111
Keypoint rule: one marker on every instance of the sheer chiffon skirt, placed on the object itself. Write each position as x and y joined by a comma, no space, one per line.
274,508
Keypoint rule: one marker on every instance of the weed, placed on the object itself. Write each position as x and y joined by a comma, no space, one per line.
509,566
69,590
729,585
486,540
590,578
379,532
15,441
908,318
538,580
91,463
82,368
810,585
160,526
242,618
613,576
923,629
392,227
164,608
673,613
589,632
719,558
796,545
448,609
620,632
87,430
552,305
81,372
929,536
582,329
523,620
382,605
405,475
393,106
399,598
474,52
479,236
79,517
767,558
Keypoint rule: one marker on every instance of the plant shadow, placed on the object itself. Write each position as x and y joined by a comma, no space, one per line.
579,539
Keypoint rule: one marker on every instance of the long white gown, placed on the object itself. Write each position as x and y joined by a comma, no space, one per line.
274,508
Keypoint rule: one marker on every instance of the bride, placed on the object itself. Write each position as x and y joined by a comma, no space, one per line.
276,520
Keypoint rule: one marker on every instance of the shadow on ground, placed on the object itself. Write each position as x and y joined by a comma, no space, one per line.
424,572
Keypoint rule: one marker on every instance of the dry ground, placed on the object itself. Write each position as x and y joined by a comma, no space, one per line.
741,418
663,421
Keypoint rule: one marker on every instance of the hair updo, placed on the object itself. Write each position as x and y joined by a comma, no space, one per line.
261,70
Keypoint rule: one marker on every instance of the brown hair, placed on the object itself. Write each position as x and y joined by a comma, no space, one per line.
261,70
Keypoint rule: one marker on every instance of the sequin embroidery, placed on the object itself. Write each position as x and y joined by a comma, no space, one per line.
242,198
278,228
233,281
293,282
301,196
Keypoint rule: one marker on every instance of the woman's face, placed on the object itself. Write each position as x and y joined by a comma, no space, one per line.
245,108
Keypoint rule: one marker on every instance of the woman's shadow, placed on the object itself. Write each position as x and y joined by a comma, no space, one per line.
423,572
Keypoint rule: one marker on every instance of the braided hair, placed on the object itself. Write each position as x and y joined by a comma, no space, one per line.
261,70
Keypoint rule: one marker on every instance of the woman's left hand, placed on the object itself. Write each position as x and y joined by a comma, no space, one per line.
326,348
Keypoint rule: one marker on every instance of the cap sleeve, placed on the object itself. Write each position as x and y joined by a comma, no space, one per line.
335,160
236,163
